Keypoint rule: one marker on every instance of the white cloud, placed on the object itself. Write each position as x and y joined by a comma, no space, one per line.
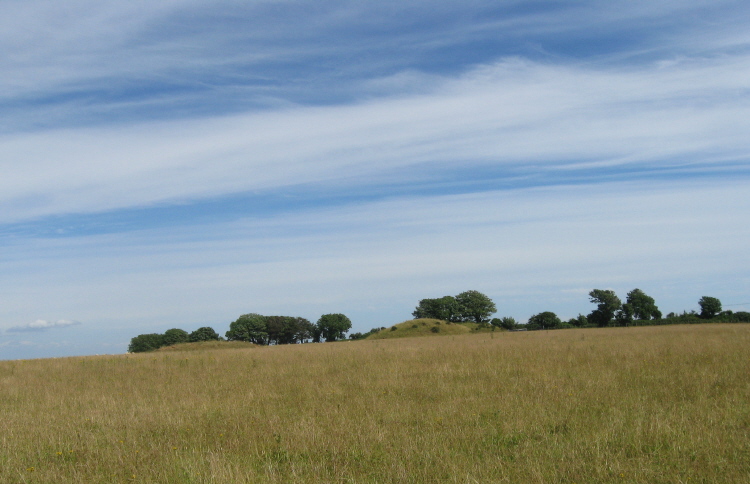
41,325
507,114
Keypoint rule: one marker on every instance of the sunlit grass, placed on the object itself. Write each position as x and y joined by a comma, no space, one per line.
655,404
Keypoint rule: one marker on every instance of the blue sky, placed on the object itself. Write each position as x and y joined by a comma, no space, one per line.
179,163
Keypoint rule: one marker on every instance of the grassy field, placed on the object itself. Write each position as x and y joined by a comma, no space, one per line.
666,404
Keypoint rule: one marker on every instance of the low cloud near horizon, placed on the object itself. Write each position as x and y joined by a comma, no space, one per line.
41,325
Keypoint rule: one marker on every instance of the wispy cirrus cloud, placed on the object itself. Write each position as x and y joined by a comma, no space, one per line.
515,118
41,325
178,163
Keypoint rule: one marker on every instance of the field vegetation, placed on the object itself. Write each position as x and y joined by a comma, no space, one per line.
423,327
666,404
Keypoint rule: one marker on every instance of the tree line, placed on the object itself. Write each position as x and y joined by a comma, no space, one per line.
639,309
253,328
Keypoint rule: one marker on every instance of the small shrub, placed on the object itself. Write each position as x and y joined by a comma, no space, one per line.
435,329
414,326
393,328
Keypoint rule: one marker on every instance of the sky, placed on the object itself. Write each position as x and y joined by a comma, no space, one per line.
180,163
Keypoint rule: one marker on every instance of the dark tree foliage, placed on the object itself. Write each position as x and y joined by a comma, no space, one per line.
174,336
146,342
545,320
607,305
445,308
642,306
332,327
284,330
624,315
475,306
270,330
505,323
249,327
356,336
205,333
468,306
710,307
579,322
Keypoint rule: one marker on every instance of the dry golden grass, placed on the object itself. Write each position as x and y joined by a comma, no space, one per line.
652,405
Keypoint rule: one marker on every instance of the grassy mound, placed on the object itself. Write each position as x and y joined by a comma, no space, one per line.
207,345
421,327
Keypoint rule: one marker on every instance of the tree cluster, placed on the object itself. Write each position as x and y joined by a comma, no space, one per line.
154,341
254,328
469,306
280,330
638,309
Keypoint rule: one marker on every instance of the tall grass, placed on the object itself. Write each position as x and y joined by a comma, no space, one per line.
656,404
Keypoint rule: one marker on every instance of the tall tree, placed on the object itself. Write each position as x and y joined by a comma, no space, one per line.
641,305
607,304
475,306
249,327
710,307
333,327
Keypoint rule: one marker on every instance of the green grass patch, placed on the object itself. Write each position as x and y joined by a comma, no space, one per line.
422,327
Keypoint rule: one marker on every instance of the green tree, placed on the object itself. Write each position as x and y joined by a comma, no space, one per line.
607,305
332,327
146,342
174,336
545,320
205,333
445,308
624,315
305,330
579,322
506,323
710,307
642,306
249,327
288,329
475,306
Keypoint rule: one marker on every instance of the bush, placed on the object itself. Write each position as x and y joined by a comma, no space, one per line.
435,329
174,336
146,342
205,333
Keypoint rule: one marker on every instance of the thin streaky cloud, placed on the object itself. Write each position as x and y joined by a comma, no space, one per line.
41,325
176,164
512,112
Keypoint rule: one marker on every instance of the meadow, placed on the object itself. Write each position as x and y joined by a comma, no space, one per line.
667,404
